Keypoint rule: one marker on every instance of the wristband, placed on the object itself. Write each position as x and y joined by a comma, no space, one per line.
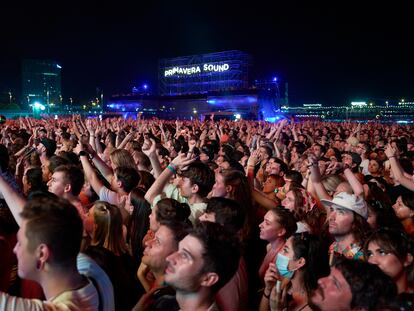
391,157
266,296
82,153
172,169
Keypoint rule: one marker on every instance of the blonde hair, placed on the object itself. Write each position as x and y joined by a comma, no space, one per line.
331,182
108,228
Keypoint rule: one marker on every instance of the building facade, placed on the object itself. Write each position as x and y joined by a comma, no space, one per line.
41,84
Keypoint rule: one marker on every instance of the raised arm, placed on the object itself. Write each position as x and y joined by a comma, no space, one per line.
397,169
157,187
315,175
14,200
90,173
150,151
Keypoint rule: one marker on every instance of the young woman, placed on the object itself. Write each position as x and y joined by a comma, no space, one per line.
299,264
138,222
390,250
404,209
278,225
308,215
109,249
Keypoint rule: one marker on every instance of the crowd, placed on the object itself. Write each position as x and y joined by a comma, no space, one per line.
141,214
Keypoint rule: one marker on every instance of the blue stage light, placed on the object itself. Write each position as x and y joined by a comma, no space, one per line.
145,86
274,79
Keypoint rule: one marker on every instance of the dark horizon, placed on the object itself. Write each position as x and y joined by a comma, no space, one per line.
327,54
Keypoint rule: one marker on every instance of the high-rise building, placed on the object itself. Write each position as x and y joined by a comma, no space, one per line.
41,83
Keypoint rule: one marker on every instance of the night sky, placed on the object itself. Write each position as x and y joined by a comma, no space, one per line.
327,54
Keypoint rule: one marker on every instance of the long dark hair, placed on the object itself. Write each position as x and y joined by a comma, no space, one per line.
314,250
138,222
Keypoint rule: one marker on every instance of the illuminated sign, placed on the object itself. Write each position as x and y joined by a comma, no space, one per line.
196,69
358,104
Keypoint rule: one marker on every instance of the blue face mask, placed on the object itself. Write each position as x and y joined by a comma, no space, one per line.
282,266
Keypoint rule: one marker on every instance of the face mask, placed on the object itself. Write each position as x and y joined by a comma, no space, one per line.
282,266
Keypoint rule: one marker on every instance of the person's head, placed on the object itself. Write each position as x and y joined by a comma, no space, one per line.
126,178
141,160
348,215
265,152
278,223
272,182
226,212
206,154
207,258
304,208
48,146
306,253
318,150
122,158
404,207
49,238
381,214
146,179
293,177
168,210
374,167
107,227
331,182
390,250
139,221
164,243
49,166
230,184
66,179
32,181
352,285
197,179
276,166
110,139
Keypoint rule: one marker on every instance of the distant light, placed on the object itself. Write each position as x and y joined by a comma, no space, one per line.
56,116
237,116
274,79
358,104
58,66
145,86
195,111
38,106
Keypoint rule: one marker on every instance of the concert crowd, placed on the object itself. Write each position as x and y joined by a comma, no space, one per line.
119,214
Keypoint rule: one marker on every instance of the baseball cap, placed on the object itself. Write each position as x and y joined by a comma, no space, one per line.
350,202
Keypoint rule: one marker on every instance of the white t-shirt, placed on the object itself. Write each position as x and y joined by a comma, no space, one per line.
172,192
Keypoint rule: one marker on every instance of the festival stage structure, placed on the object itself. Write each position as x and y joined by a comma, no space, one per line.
199,85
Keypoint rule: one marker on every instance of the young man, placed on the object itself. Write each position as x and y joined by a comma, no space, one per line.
206,259
67,182
48,243
234,295
347,224
194,184
353,285
164,243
